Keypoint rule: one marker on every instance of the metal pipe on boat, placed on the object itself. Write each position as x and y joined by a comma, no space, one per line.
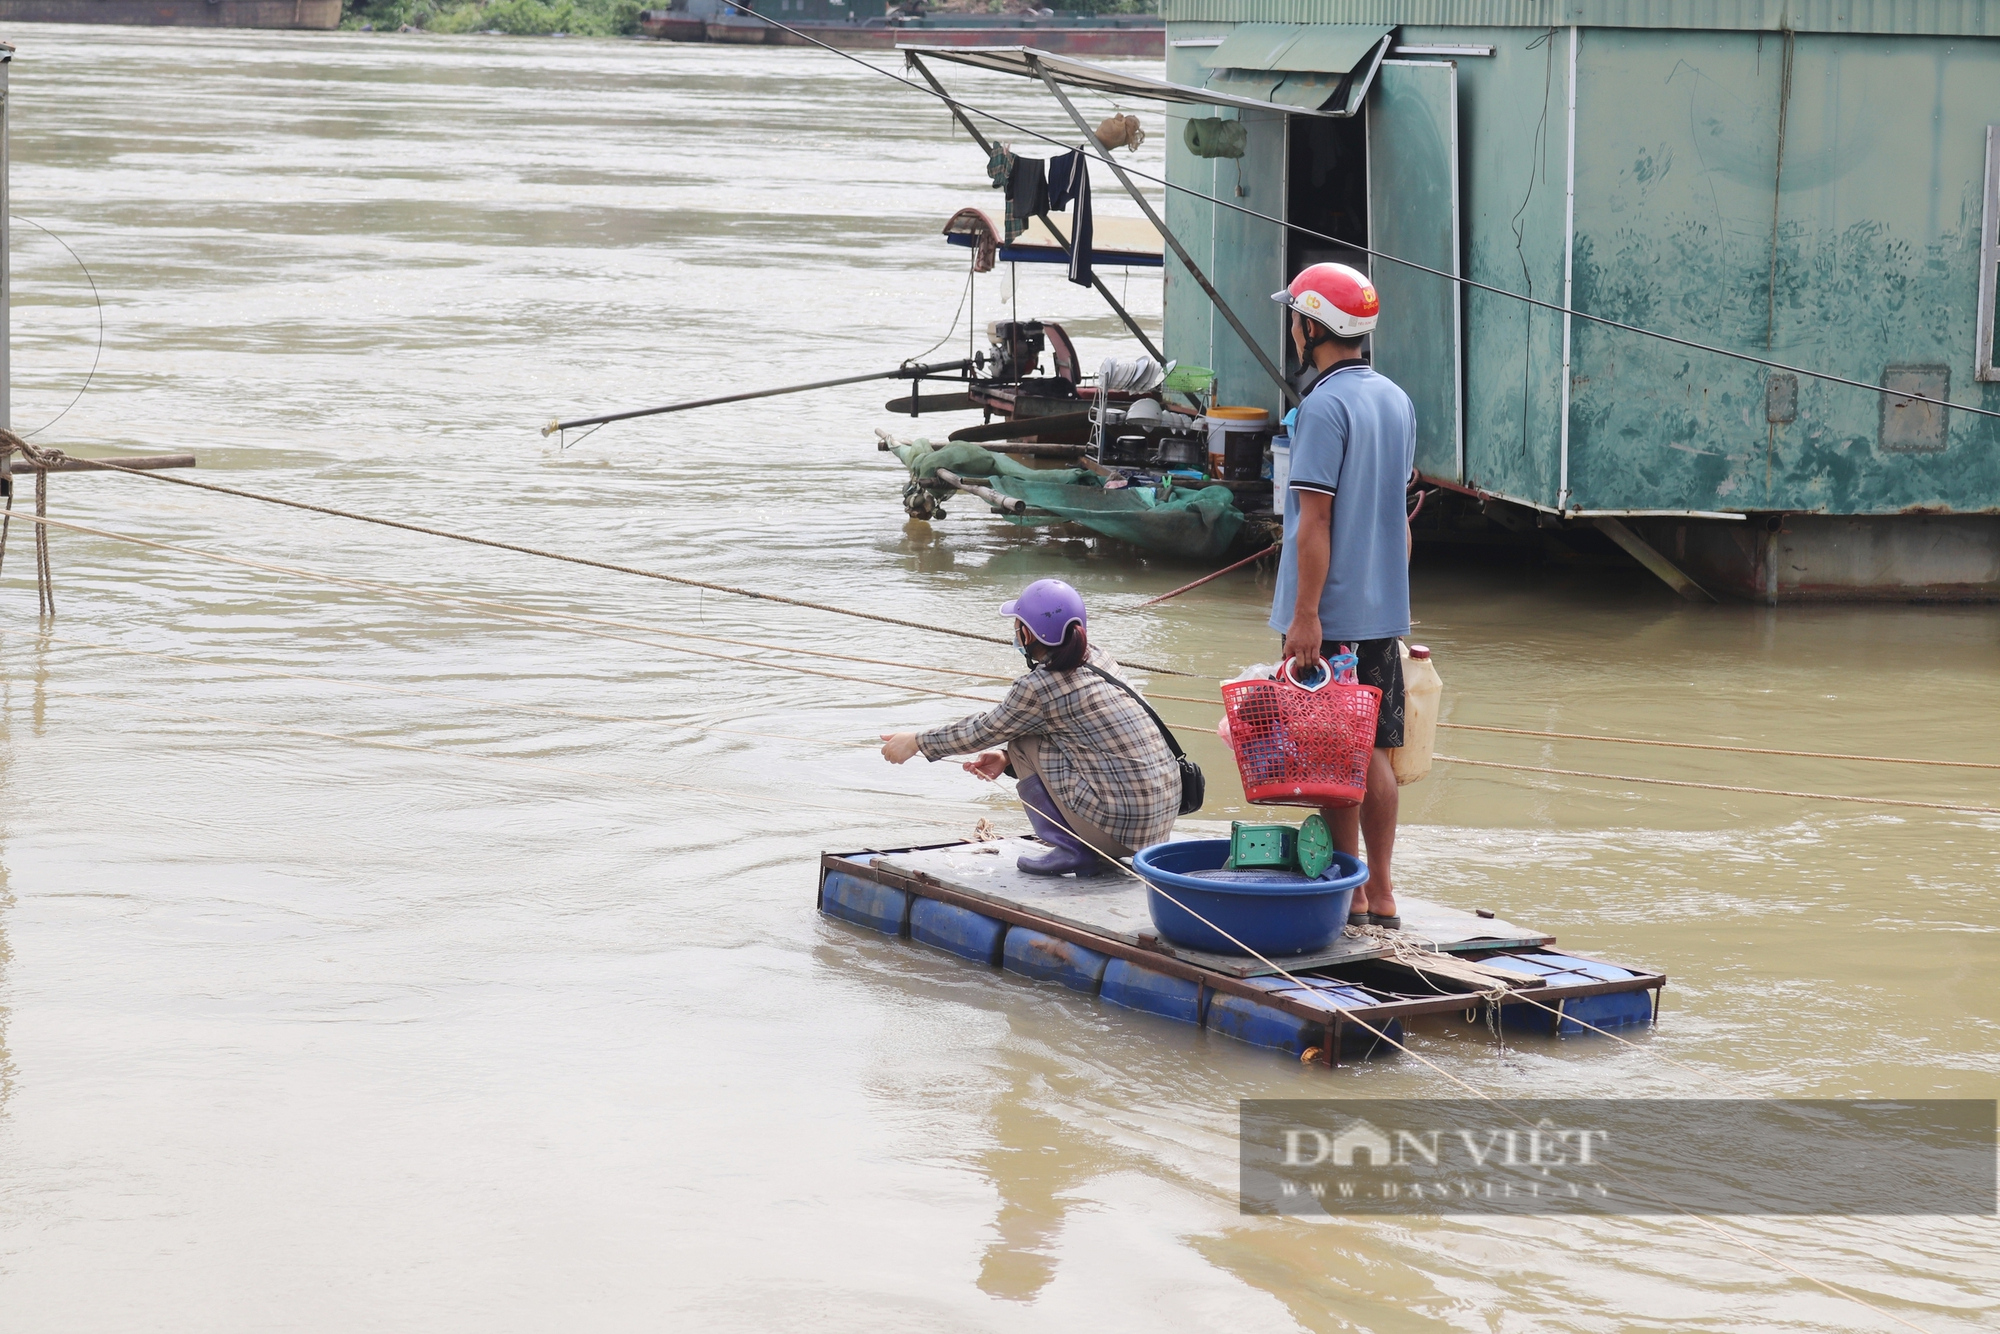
141,462
903,372
1005,504
1021,426
1034,451
1204,579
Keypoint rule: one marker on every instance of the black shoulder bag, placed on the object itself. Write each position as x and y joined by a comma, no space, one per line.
1194,787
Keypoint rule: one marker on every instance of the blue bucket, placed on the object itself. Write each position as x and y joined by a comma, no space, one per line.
1272,912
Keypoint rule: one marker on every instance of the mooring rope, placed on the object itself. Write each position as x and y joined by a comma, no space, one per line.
1414,955
511,706
539,618
542,618
1722,787
43,458
1381,1036
535,616
1176,592
1674,745
586,560
1683,782
1733,750
737,797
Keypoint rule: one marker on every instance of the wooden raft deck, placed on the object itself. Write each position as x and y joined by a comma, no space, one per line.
1096,937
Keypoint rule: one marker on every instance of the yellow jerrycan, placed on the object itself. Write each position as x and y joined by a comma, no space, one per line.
1423,691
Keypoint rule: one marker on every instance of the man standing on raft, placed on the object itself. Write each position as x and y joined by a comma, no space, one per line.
1344,575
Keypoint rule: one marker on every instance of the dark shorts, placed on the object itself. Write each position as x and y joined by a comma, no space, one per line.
1378,663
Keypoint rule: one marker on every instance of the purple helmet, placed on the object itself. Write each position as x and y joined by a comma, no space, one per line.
1048,607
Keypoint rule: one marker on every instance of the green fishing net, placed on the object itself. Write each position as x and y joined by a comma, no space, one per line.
1198,524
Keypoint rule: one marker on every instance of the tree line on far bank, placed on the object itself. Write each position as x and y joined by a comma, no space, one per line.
601,18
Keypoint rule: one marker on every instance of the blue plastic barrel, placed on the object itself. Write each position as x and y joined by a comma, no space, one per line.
1271,912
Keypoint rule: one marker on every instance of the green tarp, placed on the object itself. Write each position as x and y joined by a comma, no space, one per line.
1199,524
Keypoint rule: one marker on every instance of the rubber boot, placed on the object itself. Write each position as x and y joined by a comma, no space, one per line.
1067,853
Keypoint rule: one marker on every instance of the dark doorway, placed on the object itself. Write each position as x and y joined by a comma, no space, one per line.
1326,189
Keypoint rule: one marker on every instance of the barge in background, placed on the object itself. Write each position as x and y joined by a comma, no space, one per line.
1096,937
318,14
867,25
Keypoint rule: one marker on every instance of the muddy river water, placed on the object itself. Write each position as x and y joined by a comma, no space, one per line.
368,962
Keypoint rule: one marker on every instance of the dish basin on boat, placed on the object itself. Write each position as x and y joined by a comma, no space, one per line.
1271,912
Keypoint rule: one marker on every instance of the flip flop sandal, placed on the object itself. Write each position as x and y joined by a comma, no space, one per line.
1394,921
1360,919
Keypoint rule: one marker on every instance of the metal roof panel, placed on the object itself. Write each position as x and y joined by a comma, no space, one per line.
1968,18
1297,48
1097,78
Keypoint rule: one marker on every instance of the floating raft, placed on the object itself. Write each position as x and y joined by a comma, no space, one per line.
1096,937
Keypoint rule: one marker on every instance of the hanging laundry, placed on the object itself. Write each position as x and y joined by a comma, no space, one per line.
1069,187
1027,194
974,223
1026,186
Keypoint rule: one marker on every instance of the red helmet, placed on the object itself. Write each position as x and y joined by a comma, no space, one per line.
1338,297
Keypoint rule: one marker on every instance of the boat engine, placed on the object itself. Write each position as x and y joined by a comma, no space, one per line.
1014,349
1014,386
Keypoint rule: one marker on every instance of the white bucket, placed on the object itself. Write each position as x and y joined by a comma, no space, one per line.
1281,470
1224,422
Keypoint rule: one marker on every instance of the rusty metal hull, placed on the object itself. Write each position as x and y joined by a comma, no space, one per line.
1837,558
318,14
675,29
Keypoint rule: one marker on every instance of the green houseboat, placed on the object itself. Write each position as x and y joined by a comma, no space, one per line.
1811,184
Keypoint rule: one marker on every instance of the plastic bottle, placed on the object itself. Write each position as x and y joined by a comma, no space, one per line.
1423,691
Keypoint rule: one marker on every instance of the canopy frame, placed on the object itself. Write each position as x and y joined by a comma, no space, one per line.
1286,393
986,147
1032,63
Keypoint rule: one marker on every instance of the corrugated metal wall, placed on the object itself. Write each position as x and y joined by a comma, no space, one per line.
1962,17
1512,127
1242,256
1861,257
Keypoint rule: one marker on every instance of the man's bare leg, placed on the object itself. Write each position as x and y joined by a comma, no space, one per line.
1374,820
1379,810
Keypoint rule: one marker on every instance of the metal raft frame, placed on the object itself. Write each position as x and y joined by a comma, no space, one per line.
1353,970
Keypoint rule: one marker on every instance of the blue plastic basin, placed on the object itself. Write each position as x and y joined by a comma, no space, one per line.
1274,913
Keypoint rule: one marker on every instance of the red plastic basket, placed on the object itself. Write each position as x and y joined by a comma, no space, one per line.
1299,745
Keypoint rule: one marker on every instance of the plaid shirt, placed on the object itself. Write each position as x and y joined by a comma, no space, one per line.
1102,756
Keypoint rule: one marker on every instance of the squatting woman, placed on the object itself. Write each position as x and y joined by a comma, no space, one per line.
1095,776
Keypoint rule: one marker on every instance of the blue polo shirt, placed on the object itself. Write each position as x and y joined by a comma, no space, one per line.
1355,438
